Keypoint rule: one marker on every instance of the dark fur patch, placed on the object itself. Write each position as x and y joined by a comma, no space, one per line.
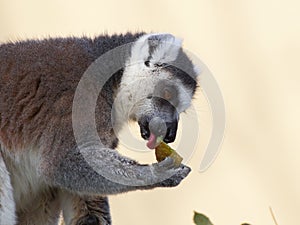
183,69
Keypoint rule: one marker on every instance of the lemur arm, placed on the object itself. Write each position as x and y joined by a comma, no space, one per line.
116,174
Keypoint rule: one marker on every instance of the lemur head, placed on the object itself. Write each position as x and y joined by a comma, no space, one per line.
158,83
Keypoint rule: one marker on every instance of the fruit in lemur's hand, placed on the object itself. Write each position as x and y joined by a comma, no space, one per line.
163,150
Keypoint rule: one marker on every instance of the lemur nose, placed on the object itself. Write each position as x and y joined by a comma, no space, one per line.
166,130
158,127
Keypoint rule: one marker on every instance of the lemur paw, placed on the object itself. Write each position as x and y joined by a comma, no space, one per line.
167,164
179,174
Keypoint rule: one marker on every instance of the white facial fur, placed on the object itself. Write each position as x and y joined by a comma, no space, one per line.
138,80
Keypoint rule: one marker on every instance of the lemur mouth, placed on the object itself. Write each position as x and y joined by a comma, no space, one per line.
153,141
155,130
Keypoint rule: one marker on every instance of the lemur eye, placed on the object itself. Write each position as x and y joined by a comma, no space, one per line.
147,63
167,94
159,64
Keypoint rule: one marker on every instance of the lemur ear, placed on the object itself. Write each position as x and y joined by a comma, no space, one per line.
157,48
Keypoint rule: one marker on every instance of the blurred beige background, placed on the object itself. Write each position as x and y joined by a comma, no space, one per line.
253,50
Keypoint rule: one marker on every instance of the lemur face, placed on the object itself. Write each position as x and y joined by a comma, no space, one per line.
157,85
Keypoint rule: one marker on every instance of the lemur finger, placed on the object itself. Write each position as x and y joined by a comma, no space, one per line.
167,163
179,175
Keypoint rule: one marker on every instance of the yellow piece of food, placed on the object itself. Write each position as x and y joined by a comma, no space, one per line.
163,150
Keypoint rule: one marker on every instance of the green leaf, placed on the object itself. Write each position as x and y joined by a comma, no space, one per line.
201,219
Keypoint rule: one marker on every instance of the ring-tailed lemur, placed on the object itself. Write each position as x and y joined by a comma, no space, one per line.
42,170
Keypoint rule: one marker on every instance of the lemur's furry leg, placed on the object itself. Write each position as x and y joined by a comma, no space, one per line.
85,210
7,204
43,210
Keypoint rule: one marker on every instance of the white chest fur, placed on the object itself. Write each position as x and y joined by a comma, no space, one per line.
25,180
